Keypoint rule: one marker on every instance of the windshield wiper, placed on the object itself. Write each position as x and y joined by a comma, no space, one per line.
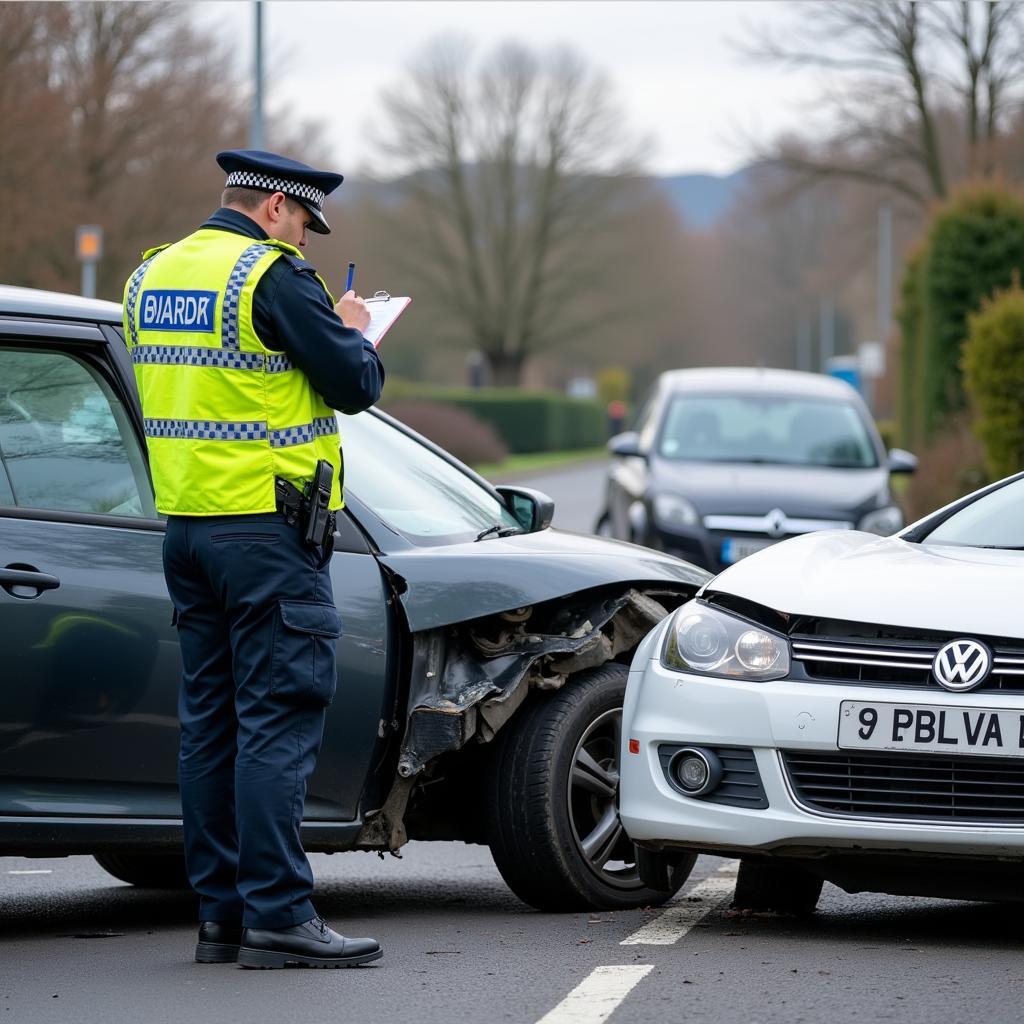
499,531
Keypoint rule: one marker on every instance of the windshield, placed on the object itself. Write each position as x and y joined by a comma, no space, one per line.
995,520
766,428
414,491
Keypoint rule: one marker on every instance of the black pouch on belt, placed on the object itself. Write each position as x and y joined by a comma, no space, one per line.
318,524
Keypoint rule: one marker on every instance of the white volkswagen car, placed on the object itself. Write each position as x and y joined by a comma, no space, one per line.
842,707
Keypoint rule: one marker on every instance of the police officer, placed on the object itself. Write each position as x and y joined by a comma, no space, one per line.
241,357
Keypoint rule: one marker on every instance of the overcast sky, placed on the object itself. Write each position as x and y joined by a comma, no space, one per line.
676,68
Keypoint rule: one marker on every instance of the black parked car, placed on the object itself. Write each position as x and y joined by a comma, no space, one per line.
724,462
481,673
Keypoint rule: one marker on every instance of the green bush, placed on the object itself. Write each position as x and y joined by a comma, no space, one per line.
993,364
911,321
526,421
974,245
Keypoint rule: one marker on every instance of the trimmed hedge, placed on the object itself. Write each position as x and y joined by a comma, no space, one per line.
527,421
994,378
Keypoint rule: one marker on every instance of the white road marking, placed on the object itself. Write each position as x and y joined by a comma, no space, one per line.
37,871
598,996
671,925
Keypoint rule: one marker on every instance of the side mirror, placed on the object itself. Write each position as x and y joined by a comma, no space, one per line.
625,445
901,461
532,509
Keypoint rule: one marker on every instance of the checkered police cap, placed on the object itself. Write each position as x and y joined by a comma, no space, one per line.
254,168
248,179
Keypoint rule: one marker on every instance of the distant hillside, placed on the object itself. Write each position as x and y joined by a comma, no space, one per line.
702,199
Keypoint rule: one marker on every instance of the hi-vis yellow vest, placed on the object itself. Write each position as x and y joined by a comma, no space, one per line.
223,413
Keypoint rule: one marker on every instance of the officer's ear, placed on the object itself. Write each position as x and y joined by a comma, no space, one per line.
276,206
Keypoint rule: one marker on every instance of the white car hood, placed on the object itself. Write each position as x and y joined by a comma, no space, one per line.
863,578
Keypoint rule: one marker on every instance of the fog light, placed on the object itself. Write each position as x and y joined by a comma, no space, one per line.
695,771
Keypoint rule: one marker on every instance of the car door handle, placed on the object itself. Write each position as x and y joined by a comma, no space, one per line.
26,576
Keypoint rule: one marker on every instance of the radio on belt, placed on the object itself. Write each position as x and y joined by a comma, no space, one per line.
318,498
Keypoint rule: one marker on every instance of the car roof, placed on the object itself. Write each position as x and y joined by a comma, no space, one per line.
15,301
755,379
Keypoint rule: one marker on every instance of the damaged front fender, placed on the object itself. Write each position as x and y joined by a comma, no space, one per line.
467,680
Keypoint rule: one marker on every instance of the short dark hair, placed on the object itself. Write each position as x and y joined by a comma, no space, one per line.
250,198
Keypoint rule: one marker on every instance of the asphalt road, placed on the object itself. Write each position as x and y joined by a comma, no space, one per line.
79,947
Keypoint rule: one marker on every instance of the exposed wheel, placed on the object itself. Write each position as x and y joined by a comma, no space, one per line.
776,886
552,816
148,870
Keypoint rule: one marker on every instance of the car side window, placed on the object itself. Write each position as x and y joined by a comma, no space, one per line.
66,441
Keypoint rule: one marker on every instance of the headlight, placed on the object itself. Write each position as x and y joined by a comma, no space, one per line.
883,521
671,510
712,642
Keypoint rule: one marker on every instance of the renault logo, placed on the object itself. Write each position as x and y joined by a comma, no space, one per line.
775,523
962,665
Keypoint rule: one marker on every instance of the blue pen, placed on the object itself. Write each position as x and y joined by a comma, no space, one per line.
351,277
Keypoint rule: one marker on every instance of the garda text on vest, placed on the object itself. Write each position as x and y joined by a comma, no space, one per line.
173,310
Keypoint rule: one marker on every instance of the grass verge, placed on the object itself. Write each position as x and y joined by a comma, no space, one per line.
536,462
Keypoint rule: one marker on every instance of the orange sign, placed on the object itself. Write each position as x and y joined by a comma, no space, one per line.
89,243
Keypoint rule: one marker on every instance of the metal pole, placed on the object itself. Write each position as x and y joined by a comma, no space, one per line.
884,272
826,332
256,130
89,279
803,341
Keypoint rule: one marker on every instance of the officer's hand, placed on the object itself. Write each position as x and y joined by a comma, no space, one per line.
353,312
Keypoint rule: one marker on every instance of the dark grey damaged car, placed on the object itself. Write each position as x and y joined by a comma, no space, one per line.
481,670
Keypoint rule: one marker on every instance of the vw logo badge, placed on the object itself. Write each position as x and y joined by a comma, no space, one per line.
962,665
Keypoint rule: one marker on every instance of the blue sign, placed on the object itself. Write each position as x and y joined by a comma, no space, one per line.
170,309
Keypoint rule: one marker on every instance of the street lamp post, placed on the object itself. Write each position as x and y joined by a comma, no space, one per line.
256,128
89,250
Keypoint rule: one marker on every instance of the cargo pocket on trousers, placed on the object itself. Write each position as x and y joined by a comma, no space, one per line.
303,666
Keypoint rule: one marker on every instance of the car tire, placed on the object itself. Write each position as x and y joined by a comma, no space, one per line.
768,885
554,831
146,870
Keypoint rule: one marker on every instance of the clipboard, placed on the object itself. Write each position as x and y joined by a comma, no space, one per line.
384,310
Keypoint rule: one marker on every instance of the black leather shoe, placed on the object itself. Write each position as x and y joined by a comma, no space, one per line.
310,944
218,943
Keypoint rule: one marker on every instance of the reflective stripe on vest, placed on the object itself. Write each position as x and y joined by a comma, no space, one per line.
212,430
223,413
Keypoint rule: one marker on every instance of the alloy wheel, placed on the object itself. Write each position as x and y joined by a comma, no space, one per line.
593,790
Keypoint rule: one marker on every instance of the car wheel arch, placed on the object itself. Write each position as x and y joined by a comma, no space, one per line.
469,680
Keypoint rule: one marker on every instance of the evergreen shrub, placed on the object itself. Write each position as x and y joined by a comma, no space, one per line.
993,366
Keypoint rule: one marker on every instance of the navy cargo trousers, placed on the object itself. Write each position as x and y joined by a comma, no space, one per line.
258,628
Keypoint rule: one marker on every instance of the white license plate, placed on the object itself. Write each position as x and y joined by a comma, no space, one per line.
926,728
735,548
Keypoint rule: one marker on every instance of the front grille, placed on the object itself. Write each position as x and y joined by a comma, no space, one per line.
881,785
897,664
741,781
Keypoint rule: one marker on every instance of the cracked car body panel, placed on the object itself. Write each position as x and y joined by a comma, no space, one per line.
468,680
463,581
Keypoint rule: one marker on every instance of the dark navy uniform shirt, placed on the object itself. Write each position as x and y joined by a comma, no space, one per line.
292,314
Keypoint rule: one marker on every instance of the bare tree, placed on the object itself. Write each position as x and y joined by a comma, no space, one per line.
511,169
911,65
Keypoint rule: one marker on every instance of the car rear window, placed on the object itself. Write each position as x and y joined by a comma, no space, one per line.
785,430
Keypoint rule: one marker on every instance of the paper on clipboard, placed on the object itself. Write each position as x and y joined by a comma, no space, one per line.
384,311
